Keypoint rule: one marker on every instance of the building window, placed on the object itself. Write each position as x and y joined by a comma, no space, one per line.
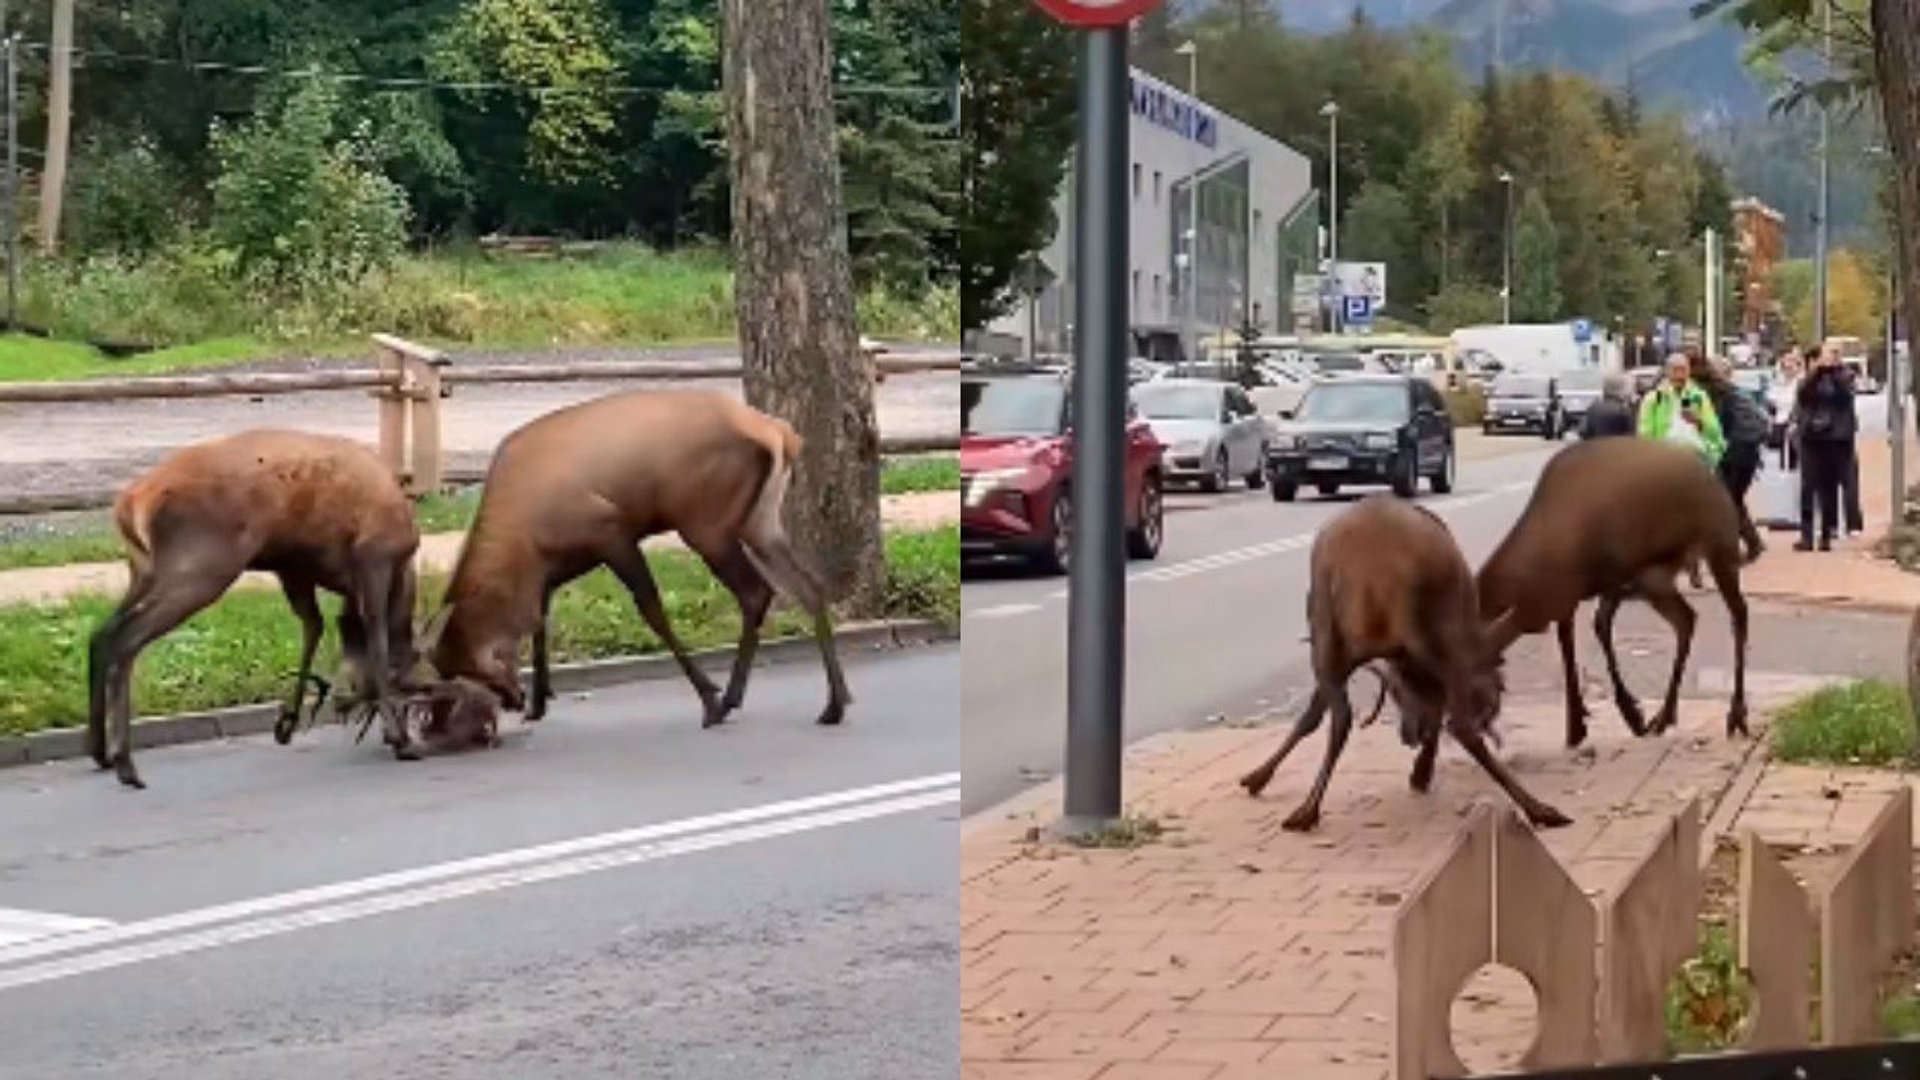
1156,187
1156,294
1136,180
1135,304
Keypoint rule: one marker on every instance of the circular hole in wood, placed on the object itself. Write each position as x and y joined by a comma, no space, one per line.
1493,1020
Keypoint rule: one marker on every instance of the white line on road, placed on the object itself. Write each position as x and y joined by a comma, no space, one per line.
17,926
346,890
1002,611
646,851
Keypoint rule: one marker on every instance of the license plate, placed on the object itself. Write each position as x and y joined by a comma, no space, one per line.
1326,464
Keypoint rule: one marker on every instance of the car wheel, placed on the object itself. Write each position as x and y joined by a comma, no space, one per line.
1283,490
1143,540
1059,550
1406,477
1258,476
1486,429
1217,477
1328,490
1443,480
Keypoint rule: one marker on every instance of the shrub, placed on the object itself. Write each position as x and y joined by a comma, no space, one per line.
124,199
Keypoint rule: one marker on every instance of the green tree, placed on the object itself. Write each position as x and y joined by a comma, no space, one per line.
1536,259
1016,128
1377,225
1462,304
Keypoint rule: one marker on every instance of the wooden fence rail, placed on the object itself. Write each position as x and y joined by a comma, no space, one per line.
409,381
1498,897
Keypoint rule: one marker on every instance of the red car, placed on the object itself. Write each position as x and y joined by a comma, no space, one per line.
1016,469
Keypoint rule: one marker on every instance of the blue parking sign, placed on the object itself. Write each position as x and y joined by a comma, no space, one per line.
1359,309
1582,331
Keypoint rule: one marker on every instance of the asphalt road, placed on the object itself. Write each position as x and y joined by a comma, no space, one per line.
1216,627
614,892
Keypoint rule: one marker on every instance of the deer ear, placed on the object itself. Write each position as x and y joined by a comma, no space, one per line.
436,624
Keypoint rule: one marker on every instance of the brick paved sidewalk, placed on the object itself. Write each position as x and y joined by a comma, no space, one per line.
1851,575
1231,948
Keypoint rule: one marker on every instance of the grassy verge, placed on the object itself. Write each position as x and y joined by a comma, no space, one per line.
621,294
244,648
1858,723
449,512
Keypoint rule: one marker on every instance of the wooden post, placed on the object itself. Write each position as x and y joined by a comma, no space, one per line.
428,461
393,410
1651,928
1544,928
1776,938
413,402
1442,934
1865,922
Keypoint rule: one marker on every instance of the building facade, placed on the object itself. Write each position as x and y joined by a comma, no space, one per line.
1259,227
1760,241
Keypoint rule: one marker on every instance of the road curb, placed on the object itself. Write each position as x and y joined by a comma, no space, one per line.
1864,605
244,720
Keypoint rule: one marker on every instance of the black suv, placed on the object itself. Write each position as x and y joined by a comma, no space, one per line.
1363,429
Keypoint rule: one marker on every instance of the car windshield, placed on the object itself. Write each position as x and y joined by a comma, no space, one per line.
1356,403
1338,362
1159,401
1519,386
1012,406
1581,381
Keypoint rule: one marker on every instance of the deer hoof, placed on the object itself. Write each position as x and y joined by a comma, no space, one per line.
1305,819
123,767
283,727
1546,817
1256,782
1737,723
835,712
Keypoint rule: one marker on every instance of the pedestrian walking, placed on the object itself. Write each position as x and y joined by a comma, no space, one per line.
1745,426
1612,414
1678,410
1827,426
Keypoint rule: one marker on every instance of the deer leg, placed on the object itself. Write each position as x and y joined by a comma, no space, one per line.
750,588
1726,575
542,674
773,556
1540,814
1577,714
373,595
1623,699
630,566
99,665
171,600
1674,608
1256,781
300,597
1308,814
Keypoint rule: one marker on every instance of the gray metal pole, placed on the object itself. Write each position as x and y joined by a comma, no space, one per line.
1896,388
1506,260
1826,196
1096,601
9,56
1193,217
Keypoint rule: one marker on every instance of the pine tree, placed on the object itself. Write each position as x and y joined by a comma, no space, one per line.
1536,262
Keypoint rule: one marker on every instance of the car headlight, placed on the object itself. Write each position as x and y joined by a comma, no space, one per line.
985,483
1378,440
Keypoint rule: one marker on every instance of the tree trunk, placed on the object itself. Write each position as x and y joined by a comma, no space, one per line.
1896,49
793,286
53,184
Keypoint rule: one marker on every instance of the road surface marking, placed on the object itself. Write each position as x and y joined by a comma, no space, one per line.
474,885
1002,611
348,890
19,926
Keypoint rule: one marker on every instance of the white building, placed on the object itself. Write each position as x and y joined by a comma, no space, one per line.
1259,225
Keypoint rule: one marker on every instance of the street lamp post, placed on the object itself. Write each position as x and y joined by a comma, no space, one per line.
1826,193
1506,254
1191,236
1331,110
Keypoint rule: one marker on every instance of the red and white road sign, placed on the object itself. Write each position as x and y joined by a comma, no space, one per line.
1092,14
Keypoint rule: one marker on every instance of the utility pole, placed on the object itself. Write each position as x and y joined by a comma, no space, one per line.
1710,321
1191,50
10,56
1506,255
53,181
1331,110
1826,194
1896,387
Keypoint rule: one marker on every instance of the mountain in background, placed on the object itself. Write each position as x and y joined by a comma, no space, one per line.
1672,61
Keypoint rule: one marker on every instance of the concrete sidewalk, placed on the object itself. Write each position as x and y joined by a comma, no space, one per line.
1229,948
438,551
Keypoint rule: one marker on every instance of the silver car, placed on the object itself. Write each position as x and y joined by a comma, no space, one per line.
1211,430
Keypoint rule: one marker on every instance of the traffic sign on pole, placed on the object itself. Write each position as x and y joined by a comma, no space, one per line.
1582,331
1359,310
1097,14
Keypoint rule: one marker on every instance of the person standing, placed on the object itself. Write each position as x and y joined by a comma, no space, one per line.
1611,415
1827,425
1850,482
1678,410
1745,426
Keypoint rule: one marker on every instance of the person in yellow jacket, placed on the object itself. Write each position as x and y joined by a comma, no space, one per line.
1679,410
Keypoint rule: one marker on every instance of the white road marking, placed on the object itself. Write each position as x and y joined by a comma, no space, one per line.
18,926
1002,611
464,868
645,851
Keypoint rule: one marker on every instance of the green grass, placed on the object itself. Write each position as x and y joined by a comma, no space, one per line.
443,512
622,294
1858,723
244,648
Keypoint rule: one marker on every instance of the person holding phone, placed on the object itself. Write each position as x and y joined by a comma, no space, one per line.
1678,410
1827,426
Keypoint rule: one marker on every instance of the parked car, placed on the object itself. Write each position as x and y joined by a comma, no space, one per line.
1016,467
1211,427
1524,402
1579,389
1364,430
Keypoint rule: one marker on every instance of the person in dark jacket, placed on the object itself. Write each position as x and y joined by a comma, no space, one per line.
1850,484
1746,426
1827,425
1612,414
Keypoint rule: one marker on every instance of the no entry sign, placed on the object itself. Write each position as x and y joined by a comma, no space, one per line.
1097,13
